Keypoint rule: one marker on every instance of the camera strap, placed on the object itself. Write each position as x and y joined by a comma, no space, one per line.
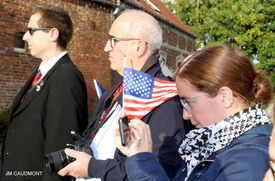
106,113
103,115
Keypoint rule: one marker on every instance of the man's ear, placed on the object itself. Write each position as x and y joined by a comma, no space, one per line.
141,48
226,96
54,34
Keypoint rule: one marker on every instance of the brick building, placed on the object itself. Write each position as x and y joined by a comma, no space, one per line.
92,20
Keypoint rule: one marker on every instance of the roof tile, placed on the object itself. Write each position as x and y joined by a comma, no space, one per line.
164,13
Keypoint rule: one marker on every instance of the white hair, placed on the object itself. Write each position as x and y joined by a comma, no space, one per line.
145,27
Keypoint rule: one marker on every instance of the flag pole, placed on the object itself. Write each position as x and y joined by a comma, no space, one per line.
124,65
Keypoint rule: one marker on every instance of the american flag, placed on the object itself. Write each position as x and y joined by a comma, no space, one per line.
142,92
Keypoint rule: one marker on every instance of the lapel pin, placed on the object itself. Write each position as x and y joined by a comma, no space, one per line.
40,84
38,88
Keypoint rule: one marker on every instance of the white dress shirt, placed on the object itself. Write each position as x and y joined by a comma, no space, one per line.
45,67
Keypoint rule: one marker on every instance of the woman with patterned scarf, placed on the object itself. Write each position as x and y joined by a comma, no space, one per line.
223,96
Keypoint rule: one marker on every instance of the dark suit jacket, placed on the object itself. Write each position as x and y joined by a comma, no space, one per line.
42,123
167,130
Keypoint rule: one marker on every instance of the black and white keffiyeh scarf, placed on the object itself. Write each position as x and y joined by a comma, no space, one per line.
199,144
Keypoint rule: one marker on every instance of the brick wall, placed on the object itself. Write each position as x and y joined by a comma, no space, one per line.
92,21
91,24
177,44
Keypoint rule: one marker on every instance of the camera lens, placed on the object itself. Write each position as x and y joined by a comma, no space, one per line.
57,160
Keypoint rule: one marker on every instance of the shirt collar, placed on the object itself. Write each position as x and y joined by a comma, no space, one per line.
45,67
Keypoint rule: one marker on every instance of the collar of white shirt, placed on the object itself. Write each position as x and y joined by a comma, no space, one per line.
45,67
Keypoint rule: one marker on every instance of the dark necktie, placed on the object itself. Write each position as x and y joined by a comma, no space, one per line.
35,80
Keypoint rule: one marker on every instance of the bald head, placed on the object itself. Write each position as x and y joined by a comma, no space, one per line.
135,34
138,24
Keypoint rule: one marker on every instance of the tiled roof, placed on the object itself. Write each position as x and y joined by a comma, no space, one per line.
157,8
164,12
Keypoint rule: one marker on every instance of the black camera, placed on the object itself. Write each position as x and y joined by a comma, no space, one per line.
55,161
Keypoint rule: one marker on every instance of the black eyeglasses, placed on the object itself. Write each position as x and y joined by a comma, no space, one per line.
32,30
113,40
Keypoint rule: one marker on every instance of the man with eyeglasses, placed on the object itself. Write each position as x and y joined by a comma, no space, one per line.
50,105
137,35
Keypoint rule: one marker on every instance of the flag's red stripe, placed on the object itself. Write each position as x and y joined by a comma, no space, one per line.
135,116
157,96
164,81
165,91
145,103
139,108
164,86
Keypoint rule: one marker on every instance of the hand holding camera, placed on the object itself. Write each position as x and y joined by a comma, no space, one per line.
78,168
55,161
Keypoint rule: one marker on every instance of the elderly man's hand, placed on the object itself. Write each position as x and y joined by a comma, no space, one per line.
79,167
138,137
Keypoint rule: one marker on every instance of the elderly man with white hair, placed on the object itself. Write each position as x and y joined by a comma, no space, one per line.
138,35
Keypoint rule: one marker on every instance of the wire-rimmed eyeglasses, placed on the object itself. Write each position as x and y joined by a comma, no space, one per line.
113,40
32,30
186,102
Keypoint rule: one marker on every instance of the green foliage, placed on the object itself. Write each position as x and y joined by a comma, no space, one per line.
245,24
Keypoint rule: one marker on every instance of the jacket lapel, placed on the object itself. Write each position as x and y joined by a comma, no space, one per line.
21,106
18,99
